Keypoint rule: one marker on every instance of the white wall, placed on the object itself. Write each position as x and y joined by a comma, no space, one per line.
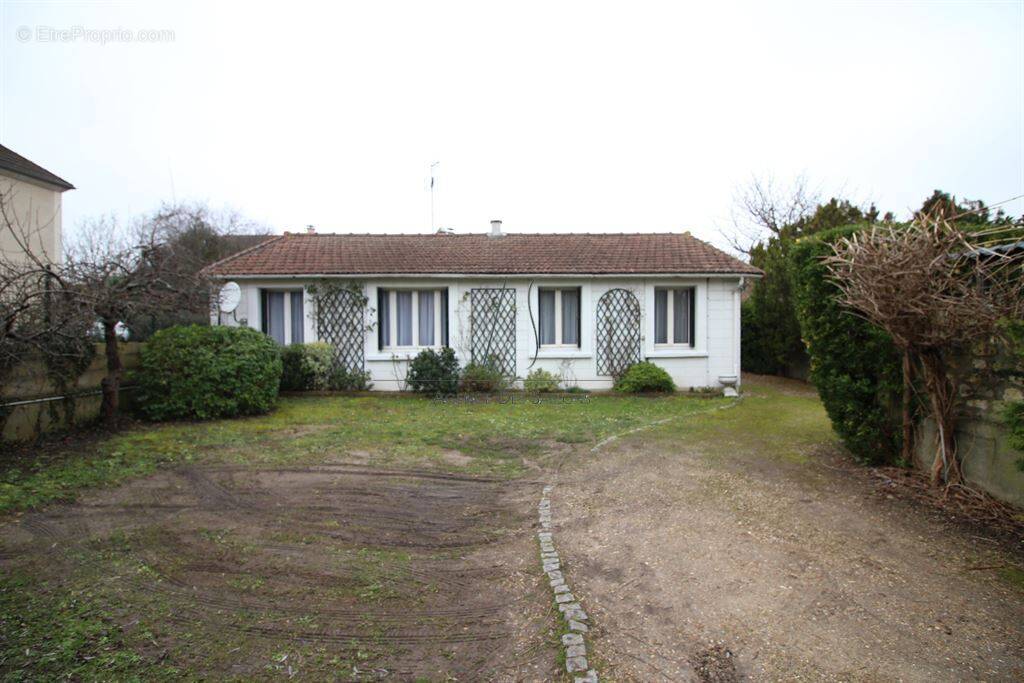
716,351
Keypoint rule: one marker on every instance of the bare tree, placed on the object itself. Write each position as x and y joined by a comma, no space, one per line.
117,275
938,291
764,208
37,312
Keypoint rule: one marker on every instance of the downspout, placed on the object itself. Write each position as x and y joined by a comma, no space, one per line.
736,326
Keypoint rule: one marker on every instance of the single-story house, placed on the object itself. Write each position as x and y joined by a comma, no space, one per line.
583,306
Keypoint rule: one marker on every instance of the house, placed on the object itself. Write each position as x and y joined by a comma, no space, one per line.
583,306
30,210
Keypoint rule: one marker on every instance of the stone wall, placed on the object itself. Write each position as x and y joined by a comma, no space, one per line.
46,409
989,380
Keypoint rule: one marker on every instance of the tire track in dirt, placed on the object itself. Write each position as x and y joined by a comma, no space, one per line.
445,548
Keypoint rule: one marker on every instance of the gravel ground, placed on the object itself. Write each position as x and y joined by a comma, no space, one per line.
699,565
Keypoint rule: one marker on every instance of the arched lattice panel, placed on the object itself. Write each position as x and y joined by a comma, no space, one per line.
492,326
618,332
340,323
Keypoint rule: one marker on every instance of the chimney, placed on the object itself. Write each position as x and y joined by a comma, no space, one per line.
310,230
495,228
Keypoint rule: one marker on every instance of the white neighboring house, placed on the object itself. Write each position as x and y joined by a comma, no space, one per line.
30,210
579,305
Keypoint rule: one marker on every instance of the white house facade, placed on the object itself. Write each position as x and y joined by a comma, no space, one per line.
583,307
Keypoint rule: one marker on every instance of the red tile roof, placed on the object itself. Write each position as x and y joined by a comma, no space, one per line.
527,254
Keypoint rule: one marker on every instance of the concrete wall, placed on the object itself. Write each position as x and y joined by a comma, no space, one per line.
28,381
36,211
715,353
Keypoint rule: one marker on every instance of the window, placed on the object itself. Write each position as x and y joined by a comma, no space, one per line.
559,312
411,318
673,316
282,315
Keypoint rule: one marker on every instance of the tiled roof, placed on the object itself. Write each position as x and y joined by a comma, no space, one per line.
14,162
532,254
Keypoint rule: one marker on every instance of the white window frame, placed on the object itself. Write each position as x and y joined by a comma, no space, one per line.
670,328
392,321
287,291
558,316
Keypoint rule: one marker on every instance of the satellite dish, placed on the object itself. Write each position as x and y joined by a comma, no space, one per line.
230,297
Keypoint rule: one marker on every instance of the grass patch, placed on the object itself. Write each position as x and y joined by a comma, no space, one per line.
68,634
396,430
768,423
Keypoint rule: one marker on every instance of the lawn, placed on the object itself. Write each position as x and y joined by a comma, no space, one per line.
499,437
328,539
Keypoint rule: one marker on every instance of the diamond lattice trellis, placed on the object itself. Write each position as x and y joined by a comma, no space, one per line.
340,324
493,328
618,332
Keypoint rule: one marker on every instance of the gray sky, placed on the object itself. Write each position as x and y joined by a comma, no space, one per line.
552,116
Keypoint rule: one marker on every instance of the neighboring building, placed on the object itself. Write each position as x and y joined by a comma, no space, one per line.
580,305
30,198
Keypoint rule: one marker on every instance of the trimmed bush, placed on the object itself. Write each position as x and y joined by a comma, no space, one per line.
202,372
307,367
854,364
542,381
644,377
478,377
434,372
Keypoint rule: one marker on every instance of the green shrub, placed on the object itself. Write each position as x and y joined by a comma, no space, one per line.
644,377
480,377
202,372
542,381
306,367
854,365
434,372
344,379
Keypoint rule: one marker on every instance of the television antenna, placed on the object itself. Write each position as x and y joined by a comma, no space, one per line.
433,184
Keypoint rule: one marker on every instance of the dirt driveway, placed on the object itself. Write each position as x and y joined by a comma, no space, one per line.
738,545
336,571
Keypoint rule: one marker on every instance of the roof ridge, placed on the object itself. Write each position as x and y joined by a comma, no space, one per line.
243,252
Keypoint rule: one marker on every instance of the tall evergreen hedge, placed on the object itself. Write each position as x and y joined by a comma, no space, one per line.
854,364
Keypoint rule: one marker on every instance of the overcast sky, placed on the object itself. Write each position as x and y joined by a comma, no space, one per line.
552,116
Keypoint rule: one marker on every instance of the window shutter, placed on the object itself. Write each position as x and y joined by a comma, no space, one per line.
298,319
693,317
381,318
264,306
579,317
444,317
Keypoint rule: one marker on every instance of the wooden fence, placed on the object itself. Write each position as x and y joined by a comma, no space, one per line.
31,405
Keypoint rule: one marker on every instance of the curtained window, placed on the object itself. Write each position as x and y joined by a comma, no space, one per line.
674,316
282,315
559,313
412,318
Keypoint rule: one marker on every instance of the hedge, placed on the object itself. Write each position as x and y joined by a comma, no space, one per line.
203,372
854,364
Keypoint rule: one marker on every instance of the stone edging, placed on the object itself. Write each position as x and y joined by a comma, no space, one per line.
572,612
